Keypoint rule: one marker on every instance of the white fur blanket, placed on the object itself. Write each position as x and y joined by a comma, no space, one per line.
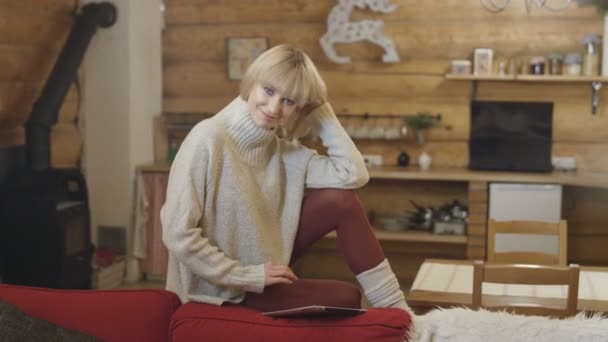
461,324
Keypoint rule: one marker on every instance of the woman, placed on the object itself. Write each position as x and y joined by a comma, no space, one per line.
236,212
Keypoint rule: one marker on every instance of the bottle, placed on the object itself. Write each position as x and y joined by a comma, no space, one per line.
591,58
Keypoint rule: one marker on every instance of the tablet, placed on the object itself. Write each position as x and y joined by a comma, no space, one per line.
314,310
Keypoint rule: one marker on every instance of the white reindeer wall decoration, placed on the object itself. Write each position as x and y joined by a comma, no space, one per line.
341,30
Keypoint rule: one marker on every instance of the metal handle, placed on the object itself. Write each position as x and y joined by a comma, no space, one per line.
595,97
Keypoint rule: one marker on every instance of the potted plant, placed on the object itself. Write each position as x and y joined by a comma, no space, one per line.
602,5
421,122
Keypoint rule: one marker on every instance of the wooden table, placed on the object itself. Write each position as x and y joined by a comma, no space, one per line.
446,283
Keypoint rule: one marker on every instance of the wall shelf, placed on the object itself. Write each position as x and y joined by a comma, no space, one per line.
559,78
596,82
470,77
414,236
527,78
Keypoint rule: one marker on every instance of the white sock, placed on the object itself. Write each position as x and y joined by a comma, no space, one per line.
381,287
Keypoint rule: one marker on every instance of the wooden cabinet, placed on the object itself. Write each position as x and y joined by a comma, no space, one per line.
152,185
456,183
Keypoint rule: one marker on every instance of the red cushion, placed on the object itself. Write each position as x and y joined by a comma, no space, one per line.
204,322
111,315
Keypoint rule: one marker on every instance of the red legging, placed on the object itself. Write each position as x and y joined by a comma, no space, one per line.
340,210
322,211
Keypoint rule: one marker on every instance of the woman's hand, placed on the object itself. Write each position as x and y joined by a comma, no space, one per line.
278,274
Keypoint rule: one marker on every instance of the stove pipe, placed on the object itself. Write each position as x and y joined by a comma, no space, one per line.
46,108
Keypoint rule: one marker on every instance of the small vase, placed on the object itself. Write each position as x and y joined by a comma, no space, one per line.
404,159
424,161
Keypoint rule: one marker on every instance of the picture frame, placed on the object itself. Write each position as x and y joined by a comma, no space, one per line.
241,52
482,61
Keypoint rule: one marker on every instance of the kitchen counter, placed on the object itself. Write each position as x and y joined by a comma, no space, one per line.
579,178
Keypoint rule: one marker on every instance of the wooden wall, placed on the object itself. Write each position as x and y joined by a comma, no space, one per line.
32,33
428,34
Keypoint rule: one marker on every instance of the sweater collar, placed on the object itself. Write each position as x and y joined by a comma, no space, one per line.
250,140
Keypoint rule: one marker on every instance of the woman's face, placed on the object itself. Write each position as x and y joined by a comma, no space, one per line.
268,107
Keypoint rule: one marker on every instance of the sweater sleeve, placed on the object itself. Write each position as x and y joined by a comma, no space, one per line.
185,239
343,167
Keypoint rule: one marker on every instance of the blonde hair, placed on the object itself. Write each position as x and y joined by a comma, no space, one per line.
290,71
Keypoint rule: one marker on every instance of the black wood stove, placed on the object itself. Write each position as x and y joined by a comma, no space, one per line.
44,212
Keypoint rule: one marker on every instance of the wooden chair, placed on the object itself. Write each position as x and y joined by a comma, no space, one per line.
528,275
528,242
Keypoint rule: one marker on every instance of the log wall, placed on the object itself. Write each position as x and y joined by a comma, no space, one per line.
32,33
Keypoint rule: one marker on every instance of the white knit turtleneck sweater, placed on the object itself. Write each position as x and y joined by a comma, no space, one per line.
234,198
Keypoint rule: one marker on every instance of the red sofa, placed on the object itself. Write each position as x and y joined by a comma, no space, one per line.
156,315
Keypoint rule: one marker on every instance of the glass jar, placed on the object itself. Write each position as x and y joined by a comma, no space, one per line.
555,64
537,65
572,64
